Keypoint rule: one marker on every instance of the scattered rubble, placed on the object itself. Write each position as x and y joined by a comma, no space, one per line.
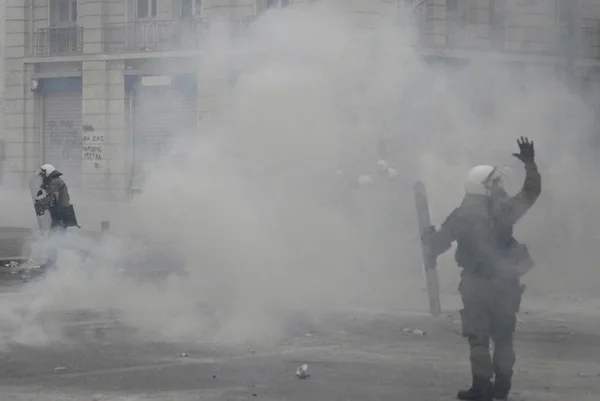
302,372
408,331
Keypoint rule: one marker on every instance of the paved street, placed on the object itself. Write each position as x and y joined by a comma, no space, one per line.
92,354
351,356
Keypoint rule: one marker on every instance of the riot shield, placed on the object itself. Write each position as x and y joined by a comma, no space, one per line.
42,202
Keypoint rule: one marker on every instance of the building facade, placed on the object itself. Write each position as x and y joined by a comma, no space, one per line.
123,67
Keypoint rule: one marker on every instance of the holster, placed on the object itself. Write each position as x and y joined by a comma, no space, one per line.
520,259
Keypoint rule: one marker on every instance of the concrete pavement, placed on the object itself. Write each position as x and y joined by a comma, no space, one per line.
354,356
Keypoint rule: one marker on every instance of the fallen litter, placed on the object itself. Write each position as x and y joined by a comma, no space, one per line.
409,331
184,355
302,372
60,368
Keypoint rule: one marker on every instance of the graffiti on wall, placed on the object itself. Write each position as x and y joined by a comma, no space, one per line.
65,135
93,145
93,148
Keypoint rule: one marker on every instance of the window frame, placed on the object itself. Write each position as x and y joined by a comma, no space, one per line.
152,10
196,8
54,13
278,4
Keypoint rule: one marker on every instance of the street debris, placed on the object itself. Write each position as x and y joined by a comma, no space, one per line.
184,355
408,331
302,372
60,368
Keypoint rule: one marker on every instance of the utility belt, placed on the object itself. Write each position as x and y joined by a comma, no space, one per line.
513,264
480,270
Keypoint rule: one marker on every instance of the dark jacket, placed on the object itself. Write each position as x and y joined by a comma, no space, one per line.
483,228
55,185
62,214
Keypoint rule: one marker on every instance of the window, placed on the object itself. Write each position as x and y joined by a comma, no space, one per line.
278,3
63,12
74,10
146,8
191,8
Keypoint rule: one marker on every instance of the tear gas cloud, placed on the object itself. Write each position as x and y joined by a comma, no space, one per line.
263,206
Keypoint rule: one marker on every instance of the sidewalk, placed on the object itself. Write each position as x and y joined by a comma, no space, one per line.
14,241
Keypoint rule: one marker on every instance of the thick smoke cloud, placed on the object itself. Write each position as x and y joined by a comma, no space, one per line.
263,210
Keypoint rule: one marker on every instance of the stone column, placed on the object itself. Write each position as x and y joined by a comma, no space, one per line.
103,158
91,17
117,148
20,140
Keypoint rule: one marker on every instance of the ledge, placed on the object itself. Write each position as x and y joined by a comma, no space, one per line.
424,51
491,55
109,56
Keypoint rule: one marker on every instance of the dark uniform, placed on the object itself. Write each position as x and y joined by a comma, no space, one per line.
493,262
58,188
62,214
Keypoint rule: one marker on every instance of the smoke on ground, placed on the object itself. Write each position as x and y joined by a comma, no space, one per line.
263,209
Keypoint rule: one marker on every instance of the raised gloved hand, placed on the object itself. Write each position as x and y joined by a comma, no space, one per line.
526,152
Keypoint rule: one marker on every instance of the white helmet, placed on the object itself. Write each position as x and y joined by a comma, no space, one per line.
392,173
382,166
46,170
481,179
364,179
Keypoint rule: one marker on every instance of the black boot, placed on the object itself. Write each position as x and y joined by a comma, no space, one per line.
480,391
502,385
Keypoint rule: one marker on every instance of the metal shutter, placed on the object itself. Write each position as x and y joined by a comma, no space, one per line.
62,134
161,114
